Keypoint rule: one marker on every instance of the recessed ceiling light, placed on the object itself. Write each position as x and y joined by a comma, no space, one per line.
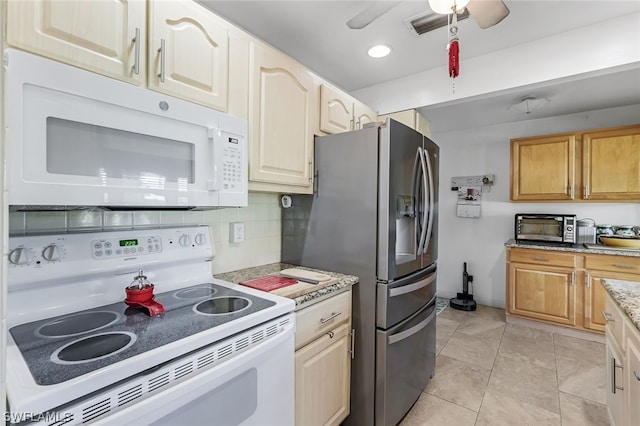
379,51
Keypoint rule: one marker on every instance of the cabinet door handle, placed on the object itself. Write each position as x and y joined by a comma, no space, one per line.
623,266
353,343
586,191
310,171
607,317
136,43
573,279
331,334
161,51
541,259
333,315
635,373
615,365
570,191
587,280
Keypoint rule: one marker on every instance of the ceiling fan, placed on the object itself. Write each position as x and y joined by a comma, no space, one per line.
486,13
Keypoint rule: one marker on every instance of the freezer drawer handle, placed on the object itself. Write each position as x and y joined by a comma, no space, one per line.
399,291
394,338
333,315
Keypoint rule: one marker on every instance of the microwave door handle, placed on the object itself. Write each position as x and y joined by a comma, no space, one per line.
431,200
215,171
423,234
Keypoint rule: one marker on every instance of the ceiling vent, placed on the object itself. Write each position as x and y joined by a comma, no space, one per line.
429,21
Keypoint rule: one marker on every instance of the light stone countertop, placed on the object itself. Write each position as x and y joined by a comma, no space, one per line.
627,296
575,248
344,281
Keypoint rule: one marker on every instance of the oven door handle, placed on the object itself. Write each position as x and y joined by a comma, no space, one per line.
399,291
395,338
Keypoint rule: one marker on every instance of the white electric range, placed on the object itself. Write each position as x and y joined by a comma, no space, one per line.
76,353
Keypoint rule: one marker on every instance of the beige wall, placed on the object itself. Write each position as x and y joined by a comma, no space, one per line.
3,236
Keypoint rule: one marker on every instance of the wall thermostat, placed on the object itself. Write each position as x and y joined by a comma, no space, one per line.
286,201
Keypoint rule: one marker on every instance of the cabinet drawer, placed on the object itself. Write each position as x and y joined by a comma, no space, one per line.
615,319
542,257
628,264
322,317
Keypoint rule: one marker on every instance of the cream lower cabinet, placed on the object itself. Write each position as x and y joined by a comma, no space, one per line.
623,366
323,361
632,366
282,110
188,53
106,37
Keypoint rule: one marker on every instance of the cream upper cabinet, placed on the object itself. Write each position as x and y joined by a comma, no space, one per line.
106,37
188,53
282,110
340,112
362,115
410,118
336,110
611,164
543,168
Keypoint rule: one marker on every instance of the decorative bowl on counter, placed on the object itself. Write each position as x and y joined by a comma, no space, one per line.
620,241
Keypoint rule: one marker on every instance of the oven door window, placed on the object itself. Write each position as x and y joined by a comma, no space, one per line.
541,227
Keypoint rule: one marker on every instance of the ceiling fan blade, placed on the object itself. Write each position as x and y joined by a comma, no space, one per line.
370,14
487,13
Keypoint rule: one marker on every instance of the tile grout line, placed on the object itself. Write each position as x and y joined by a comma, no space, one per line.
491,372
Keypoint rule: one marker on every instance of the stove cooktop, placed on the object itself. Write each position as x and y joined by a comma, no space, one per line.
61,348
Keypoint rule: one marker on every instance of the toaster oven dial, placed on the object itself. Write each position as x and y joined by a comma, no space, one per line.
52,253
21,256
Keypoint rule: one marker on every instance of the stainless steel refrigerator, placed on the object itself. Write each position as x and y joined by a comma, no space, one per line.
374,214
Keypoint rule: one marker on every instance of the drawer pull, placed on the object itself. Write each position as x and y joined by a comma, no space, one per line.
331,334
607,317
635,373
622,266
541,259
333,315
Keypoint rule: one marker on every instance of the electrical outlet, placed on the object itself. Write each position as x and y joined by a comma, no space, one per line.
236,232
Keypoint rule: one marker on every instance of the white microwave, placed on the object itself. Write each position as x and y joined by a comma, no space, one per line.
75,138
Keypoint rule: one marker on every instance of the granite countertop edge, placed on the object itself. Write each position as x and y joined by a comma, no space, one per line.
627,295
344,281
575,248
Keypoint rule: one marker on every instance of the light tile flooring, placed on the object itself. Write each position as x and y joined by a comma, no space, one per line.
491,373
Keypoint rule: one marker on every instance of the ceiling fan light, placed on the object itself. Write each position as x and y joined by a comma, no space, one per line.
379,51
444,6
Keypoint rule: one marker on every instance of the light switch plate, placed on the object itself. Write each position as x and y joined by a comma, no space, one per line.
236,232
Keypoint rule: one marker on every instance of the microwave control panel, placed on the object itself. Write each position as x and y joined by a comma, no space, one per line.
232,167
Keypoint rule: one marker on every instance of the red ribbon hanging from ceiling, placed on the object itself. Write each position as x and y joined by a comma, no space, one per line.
454,59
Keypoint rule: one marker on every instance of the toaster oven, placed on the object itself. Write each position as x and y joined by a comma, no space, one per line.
559,228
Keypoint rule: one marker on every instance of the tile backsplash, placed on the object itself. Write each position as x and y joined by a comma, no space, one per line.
261,219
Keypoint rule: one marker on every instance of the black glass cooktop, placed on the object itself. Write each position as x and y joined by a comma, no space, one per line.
61,348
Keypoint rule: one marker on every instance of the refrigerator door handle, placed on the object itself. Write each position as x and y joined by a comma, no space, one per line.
415,192
423,233
398,291
394,338
431,202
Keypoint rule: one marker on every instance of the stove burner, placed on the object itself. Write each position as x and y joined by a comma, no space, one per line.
222,305
93,348
196,292
75,324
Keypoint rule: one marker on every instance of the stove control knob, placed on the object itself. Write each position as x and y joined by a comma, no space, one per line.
21,256
200,240
185,240
52,253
